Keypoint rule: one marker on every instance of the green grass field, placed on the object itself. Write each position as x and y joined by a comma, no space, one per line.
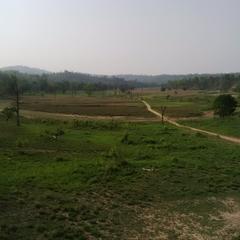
228,126
112,180
182,104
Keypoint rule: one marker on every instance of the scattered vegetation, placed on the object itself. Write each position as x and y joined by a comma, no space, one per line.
118,180
8,113
82,187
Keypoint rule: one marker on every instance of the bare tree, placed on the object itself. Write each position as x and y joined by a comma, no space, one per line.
163,111
17,103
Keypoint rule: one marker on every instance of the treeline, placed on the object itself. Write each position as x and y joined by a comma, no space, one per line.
64,83
222,82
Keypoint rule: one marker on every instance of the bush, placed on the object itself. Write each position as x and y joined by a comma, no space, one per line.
20,143
101,125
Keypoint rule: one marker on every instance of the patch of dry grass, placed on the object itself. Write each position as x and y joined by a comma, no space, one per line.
86,106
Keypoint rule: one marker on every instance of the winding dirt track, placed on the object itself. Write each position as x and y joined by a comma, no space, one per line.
224,137
51,115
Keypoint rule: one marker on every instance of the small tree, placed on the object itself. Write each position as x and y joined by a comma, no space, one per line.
224,105
163,89
13,90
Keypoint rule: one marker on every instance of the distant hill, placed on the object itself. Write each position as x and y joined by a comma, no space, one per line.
85,78
25,70
188,81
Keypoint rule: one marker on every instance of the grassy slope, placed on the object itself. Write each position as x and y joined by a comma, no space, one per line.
182,106
90,184
229,126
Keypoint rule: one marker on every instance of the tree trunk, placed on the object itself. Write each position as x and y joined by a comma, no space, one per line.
17,105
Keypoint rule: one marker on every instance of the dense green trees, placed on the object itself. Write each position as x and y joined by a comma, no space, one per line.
73,82
223,82
63,83
224,105
14,85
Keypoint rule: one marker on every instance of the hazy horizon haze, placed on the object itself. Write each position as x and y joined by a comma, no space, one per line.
122,37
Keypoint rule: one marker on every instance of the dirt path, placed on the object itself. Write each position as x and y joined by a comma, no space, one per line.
37,114
227,138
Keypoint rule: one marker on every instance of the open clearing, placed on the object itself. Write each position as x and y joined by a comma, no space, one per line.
86,106
113,180
194,109
110,179
182,105
227,138
68,107
229,126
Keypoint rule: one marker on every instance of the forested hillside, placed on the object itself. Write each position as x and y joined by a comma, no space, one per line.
223,82
73,81
64,82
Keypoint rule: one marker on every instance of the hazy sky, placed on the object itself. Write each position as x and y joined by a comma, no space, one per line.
121,36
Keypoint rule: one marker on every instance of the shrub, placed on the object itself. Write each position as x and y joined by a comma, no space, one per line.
59,132
53,135
125,139
142,155
101,125
199,134
20,143
116,160
149,141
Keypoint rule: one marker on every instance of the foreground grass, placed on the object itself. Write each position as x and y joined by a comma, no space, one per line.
108,180
229,126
